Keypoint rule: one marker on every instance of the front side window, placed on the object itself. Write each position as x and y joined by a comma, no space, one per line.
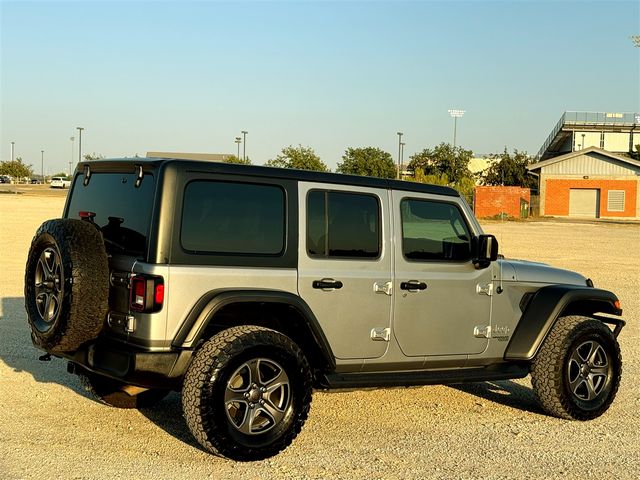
434,231
233,218
343,225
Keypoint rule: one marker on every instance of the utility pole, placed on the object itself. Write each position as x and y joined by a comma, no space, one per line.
244,145
13,144
71,157
42,165
238,141
80,129
399,154
401,158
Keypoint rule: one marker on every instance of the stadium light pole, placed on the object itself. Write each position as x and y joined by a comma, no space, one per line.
456,114
401,158
244,145
399,153
42,165
13,145
238,140
80,129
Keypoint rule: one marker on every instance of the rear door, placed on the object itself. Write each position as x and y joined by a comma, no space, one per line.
344,266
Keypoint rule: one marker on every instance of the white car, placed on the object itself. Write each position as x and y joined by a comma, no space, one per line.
60,182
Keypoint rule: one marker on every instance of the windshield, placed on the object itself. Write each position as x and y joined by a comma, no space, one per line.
122,210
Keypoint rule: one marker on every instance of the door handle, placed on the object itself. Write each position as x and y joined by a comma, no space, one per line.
413,286
327,284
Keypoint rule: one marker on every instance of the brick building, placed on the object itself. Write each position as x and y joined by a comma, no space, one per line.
589,183
492,201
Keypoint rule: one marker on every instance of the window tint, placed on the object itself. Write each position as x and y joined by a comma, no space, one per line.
434,231
343,225
123,211
236,218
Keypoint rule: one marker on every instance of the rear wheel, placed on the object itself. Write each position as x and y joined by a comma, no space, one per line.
577,371
247,393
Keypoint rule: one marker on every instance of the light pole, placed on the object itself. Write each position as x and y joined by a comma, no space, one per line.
71,157
244,145
238,140
13,144
42,165
399,153
401,158
80,129
455,113
583,140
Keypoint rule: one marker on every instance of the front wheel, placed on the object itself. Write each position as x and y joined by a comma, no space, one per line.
247,393
577,371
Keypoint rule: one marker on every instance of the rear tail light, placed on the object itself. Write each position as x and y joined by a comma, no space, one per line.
146,293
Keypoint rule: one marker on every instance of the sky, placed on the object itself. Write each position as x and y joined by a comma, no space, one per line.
190,76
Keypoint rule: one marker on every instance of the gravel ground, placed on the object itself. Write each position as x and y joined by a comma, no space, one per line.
50,428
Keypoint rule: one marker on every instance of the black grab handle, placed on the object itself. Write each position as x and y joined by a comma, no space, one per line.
413,285
327,283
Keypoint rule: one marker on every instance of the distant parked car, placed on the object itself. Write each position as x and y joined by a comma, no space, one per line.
35,181
5,179
60,182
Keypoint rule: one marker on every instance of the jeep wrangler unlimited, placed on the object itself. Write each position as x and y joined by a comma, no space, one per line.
246,287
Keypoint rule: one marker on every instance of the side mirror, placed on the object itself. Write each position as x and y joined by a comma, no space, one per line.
484,250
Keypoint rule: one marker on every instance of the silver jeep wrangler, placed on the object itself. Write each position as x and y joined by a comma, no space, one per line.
246,287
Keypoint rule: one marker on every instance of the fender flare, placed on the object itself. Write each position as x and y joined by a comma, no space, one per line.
195,324
546,305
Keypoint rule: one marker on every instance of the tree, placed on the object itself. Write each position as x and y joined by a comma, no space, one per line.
89,157
234,159
302,158
465,185
368,162
636,154
443,159
509,170
16,168
60,174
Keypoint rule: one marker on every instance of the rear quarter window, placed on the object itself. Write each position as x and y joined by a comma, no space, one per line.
221,217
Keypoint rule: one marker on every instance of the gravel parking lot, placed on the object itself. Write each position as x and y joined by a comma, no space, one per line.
51,428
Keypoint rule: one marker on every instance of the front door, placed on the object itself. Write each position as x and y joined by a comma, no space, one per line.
344,266
441,299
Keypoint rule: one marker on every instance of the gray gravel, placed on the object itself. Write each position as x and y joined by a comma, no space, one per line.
50,428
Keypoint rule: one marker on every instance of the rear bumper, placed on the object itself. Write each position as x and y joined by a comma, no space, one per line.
132,365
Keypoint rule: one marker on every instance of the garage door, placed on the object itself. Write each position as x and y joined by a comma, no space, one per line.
584,202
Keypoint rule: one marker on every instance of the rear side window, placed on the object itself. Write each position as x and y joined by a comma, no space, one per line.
343,225
233,218
434,231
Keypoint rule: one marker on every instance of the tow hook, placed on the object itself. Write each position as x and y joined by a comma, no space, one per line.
45,358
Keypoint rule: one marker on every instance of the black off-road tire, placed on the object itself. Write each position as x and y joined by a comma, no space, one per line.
120,395
213,419
558,362
66,285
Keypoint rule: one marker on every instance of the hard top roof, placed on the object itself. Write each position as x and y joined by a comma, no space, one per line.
270,172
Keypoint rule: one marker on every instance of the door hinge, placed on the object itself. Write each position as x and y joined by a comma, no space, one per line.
482,331
383,287
380,334
485,289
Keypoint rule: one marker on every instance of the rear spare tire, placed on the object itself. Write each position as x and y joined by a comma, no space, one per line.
66,285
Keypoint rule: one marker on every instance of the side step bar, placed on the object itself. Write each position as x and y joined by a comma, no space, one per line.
424,377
